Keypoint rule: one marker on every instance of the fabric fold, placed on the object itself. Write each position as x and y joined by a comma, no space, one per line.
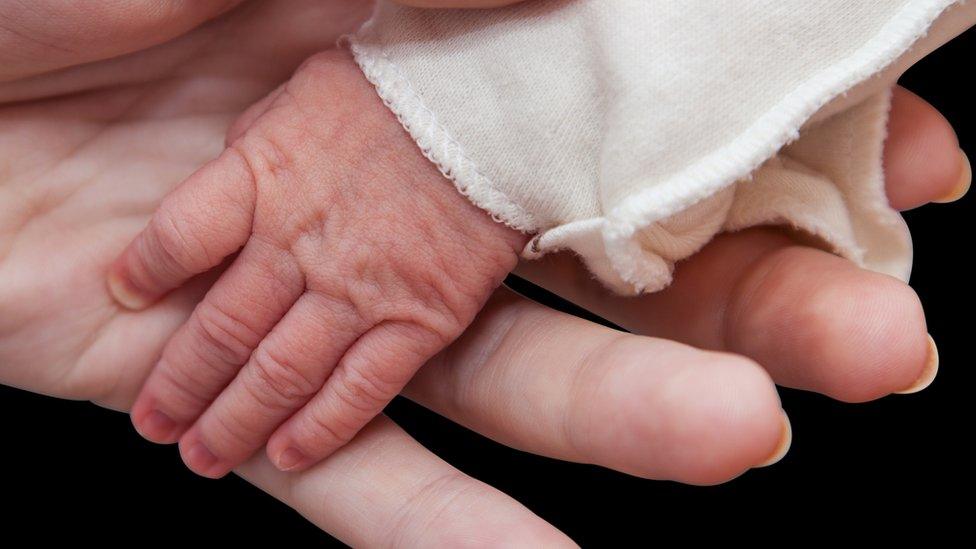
632,131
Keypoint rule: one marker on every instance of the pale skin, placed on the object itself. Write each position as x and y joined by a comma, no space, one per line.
98,176
357,261
356,264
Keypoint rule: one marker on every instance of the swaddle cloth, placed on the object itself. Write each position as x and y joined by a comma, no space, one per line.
632,131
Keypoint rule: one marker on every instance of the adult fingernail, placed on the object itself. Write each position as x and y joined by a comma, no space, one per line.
965,181
289,459
157,427
123,294
202,461
786,439
929,372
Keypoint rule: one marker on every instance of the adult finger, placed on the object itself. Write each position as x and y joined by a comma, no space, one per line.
922,159
44,35
384,489
849,333
553,384
813,320
458,3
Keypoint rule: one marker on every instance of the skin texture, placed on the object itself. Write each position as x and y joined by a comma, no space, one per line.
38,36
81,173
466,4
360,261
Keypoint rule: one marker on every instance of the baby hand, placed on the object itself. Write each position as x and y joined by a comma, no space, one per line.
357,262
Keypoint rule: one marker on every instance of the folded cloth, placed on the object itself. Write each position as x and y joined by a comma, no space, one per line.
633,131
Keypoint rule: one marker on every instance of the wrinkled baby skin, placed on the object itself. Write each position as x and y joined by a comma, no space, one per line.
356,261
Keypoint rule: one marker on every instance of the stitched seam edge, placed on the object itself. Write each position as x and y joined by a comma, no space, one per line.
435,141
747,152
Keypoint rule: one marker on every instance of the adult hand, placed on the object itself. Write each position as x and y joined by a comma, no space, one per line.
466,4
646,406
39,36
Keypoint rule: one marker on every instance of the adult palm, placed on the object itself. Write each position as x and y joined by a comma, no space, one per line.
86,154
80,173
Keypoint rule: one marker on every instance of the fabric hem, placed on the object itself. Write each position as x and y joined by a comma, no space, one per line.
639,269
745,154
435,141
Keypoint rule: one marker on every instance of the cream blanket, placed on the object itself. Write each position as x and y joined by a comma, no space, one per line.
632,131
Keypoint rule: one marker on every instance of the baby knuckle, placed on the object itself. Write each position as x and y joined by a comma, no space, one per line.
265,159
432,306
179,388
224,335
328,432
364,390
440,322
281,380
228,435
454,295
175,248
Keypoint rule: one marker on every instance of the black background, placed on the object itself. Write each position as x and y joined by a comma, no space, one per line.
76,472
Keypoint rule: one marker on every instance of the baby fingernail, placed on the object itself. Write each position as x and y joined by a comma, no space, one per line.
157,426
929,372
786,439
965,181
289,459
202,460
123,294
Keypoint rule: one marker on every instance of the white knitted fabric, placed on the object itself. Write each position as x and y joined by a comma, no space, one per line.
633,131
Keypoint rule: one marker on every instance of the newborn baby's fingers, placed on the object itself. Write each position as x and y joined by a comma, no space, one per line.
288,367
371,373
217,340
336,204
198,225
